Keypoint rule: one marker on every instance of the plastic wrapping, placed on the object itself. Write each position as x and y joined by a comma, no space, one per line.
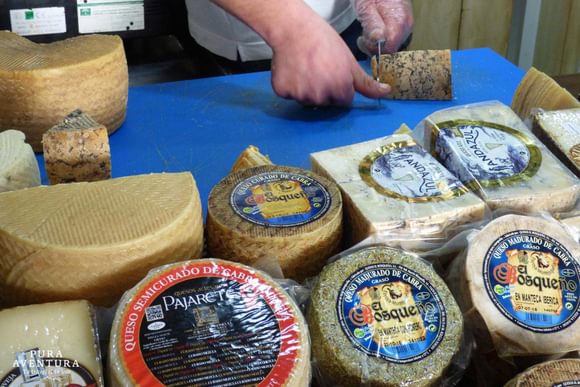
380,316
492,151
391,185
557,373
518,286
53,344
208,322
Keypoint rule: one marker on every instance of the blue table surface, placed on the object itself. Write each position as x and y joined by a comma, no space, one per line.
202,125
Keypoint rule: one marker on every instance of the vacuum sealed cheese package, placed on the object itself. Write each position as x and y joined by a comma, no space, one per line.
208,322
391,185
491,150
380,316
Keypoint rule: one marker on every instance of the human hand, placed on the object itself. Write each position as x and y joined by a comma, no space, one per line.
388,20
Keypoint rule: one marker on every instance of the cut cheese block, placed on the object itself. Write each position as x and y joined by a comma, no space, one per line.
519,284
41,83
18,165
208,322
558,373
77,150
52,344
283,214
560,131
94,240
492,151
539,90
383,317
391,185
250,157
415,74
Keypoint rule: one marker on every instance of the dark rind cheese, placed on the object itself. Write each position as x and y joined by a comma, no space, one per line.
416,74
557,373
398,286
77,149
277,217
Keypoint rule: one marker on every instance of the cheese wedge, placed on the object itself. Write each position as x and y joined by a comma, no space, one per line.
41,83
557,373
250,157
275,213
491,150
422,74
539,90
18,165
52,344
208,322
94,240
391,185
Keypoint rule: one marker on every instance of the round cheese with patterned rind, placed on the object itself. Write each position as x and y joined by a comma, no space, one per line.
520,281
382,317
41,83
208,322
557,373
18,165
277,213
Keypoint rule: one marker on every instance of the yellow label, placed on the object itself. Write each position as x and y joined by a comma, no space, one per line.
397,320
281,198
537,290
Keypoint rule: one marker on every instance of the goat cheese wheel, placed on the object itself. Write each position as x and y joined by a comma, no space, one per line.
557,373
208,322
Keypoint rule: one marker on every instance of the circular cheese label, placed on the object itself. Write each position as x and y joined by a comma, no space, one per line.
280,199
209,323
567,383
391,312
34,368
403,170
533,280
485,154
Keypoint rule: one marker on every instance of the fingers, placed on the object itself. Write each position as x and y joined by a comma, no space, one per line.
367,86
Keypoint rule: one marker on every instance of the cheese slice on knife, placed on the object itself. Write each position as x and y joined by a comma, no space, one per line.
41,83
18,165
94,240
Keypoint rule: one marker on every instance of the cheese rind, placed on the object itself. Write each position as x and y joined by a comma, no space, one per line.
41,83
18,165
44,343
559,373
94,240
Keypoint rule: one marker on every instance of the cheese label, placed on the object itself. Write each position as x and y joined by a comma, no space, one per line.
280,199
391,312
485,154
567,383
533,280
209,322
403,170
37,367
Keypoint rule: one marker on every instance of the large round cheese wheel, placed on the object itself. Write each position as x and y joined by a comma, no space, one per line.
557,373
95,240
382,317
208,322
520,281
41,83
277,213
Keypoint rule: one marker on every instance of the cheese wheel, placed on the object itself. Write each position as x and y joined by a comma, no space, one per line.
94,240
208,322
41,83
18,165
52,344
492,151
275,213
391,185
521,285
383,317
557,373
422,74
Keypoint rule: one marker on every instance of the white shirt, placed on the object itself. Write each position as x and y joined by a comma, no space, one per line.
225,35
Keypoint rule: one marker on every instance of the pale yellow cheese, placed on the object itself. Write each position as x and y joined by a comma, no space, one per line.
41,83
43,344
250,157
18,165
94,240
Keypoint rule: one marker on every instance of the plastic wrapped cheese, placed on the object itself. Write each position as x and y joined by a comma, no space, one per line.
208,322
391,185
492,151
557,373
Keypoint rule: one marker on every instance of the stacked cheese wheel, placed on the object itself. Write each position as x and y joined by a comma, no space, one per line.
275,213
208,322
